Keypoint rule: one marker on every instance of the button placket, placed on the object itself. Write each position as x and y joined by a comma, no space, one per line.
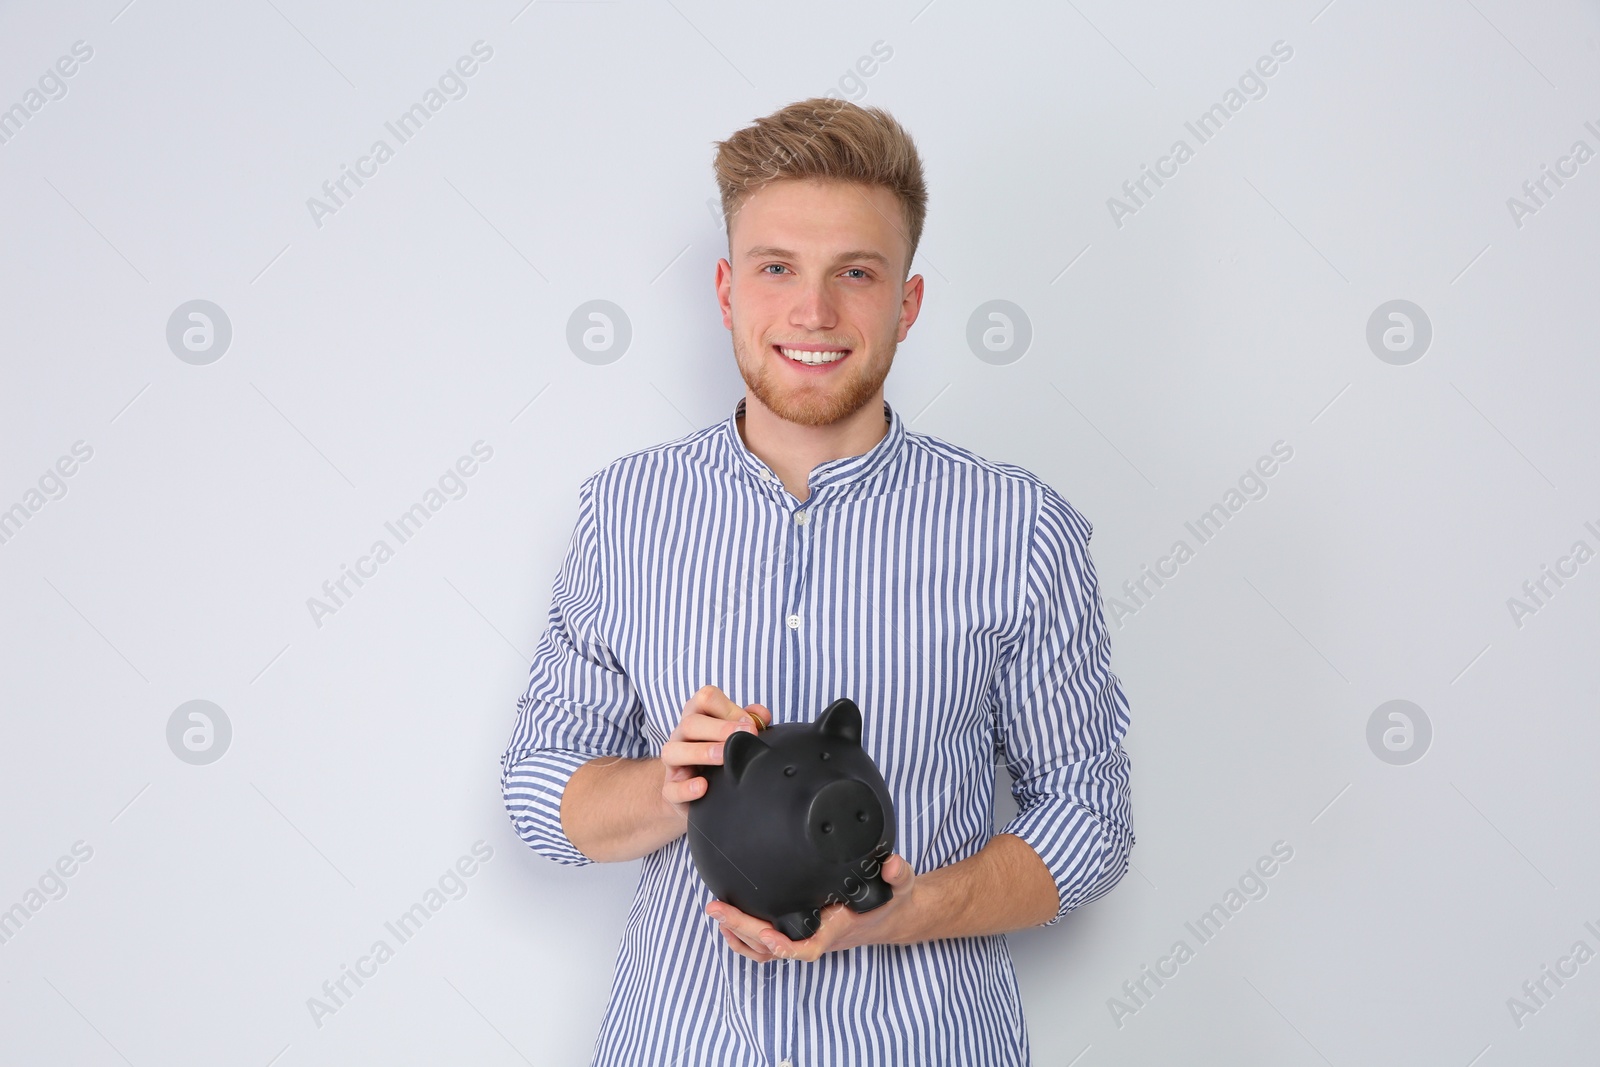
800,553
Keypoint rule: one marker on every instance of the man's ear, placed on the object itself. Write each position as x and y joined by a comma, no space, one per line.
739,751
723,284
841,719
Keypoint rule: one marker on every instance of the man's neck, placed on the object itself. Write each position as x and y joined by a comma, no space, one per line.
792,449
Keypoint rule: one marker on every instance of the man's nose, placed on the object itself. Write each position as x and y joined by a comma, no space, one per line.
815,308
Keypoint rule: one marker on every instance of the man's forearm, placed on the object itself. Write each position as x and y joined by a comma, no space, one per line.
613,809
1004,886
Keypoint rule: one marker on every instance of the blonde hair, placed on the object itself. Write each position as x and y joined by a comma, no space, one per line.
827,139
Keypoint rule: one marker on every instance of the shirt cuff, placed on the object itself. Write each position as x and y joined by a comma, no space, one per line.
1084,855
533,787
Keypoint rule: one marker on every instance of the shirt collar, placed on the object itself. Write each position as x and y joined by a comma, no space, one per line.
840,472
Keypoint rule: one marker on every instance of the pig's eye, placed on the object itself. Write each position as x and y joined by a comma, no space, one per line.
822,755
827,827
861,816
788,772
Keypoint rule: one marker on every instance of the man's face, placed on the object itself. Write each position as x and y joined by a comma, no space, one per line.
815,268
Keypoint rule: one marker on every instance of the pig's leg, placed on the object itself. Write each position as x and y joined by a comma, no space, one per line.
874,892
798,925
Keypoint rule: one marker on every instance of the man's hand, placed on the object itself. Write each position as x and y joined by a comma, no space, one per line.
709,718
891,923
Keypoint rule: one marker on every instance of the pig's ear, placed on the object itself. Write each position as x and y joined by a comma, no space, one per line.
841,719
739,750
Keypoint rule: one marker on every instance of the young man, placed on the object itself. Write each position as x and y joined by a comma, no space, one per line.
808,547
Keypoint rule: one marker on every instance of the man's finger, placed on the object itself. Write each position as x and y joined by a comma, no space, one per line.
743,941
744,950
746,928
902,871
747,932
713,702
702,729
691,753
683,792
753,946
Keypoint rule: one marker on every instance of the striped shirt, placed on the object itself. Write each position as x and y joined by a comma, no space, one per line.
953,599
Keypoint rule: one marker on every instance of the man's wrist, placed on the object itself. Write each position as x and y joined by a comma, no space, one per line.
1005,886
613,809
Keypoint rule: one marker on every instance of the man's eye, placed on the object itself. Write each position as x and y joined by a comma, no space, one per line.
856,270
780,266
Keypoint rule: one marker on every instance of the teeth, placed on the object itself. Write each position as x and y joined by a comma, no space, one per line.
812,358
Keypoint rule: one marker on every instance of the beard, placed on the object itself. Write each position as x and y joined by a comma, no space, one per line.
820,404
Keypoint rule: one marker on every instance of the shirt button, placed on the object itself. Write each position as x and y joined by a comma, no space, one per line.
799,518
794,622
785,1063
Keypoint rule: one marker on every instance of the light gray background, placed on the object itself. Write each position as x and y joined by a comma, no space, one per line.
1168,354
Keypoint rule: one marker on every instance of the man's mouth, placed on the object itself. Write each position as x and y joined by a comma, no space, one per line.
812,357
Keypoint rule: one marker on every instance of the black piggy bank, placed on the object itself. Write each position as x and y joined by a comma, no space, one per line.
797,817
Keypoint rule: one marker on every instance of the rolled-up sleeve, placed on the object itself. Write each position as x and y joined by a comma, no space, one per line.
1061,716
578,705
